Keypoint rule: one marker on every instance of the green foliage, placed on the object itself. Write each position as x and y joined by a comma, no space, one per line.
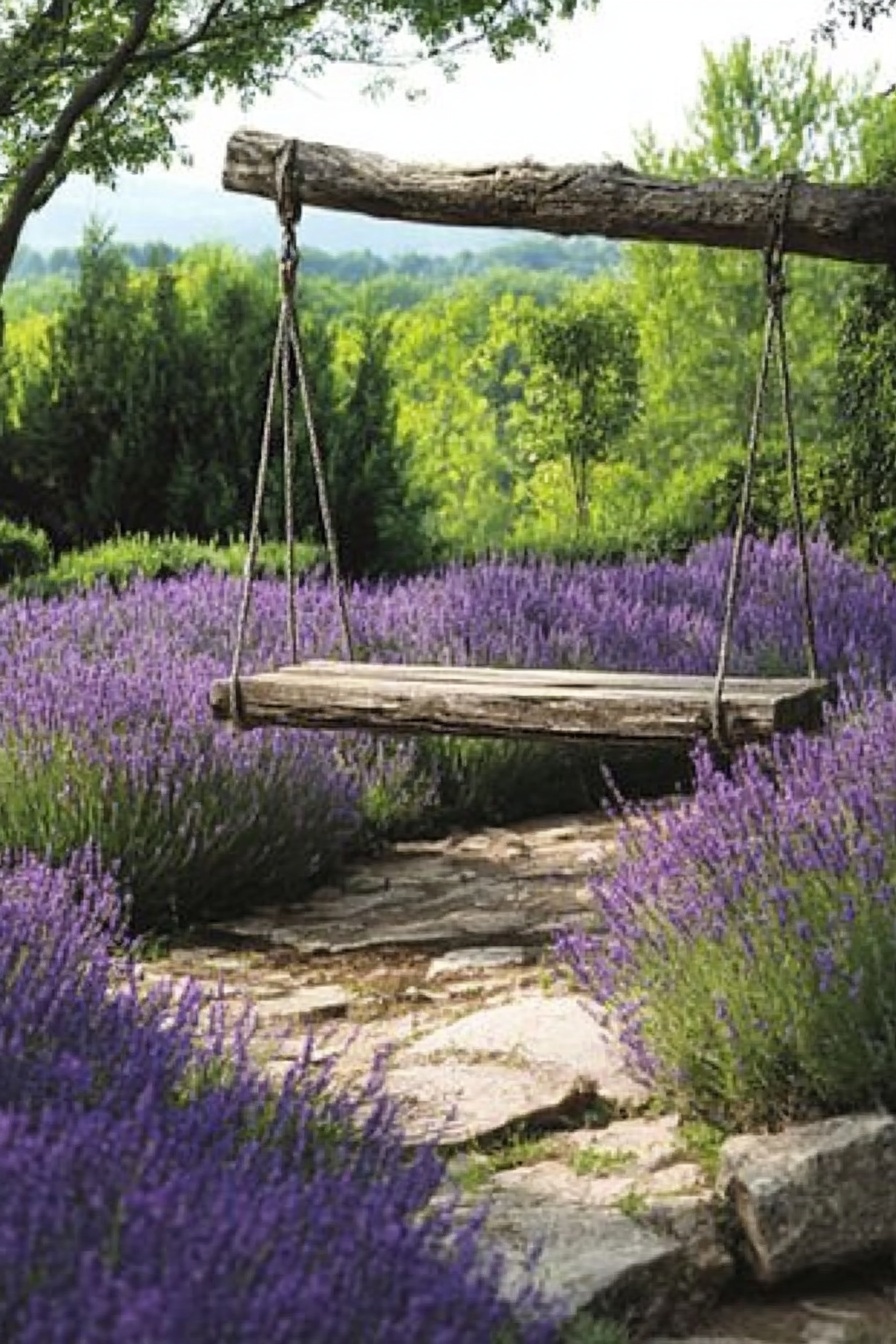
583,391
24,551
587,1330
858,478
99,89
785,1048
702,1143
98,427
459,363
580,257
139,409
474,1168
185,845
498,782
596,1161
700,311
119,562
34,294
381,525
852,14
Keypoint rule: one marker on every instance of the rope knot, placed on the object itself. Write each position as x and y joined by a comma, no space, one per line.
289,261
286,175
289,210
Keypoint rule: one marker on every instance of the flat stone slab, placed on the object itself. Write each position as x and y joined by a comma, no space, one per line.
467,959
501,886
559,1034
458,1103
673,1202
308,1003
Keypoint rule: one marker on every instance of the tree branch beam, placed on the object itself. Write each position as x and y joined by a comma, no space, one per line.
844,223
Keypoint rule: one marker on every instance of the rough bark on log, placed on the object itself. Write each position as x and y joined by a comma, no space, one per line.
846,223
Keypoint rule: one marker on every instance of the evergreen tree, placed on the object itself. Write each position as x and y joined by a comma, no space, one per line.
380,523
77,405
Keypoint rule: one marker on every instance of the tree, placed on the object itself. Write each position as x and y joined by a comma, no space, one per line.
860,480
700,311
455,359
584,389
854,14
138,406
379,519
82,404
858,475
96,88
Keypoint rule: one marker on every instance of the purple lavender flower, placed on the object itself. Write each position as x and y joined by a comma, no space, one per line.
105,733
771,893
155,1187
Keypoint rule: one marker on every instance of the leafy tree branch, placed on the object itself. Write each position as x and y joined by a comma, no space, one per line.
100,86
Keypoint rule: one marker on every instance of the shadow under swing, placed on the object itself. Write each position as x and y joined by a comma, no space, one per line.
519,703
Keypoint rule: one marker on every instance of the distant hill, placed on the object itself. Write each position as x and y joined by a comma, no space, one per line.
151,208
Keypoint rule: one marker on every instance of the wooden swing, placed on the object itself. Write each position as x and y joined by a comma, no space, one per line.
402,699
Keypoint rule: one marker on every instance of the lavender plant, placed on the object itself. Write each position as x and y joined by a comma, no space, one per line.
105,733
105,737
748,937
157,1188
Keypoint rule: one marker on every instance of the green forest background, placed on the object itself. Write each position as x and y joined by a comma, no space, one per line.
576,397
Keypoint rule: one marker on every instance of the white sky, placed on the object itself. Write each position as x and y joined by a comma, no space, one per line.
633,62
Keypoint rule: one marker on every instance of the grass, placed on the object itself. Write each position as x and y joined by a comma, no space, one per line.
702,1143
599,1161
634,1204
475,1167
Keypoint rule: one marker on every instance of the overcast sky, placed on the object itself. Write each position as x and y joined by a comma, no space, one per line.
608,73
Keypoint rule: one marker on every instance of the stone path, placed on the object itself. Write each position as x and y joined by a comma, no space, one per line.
496,886
439,952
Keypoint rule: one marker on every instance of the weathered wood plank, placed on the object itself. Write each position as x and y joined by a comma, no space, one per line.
492,702
563,677
848,223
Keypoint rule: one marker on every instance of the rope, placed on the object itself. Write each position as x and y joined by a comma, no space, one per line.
320,481
810,644
289,211
286,343
289,527
236,704
776,290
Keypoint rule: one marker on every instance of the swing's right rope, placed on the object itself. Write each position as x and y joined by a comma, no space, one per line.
776,291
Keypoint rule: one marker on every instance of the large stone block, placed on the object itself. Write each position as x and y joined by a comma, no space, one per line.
816,1195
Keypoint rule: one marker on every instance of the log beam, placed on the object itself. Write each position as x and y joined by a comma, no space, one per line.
845,223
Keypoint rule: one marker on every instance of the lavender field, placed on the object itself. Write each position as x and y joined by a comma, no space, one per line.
105,735
157,1188
300,1203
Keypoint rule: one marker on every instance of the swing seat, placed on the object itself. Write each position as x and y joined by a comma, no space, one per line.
409,700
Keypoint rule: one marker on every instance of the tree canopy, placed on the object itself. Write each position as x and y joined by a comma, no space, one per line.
854,14
97,86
